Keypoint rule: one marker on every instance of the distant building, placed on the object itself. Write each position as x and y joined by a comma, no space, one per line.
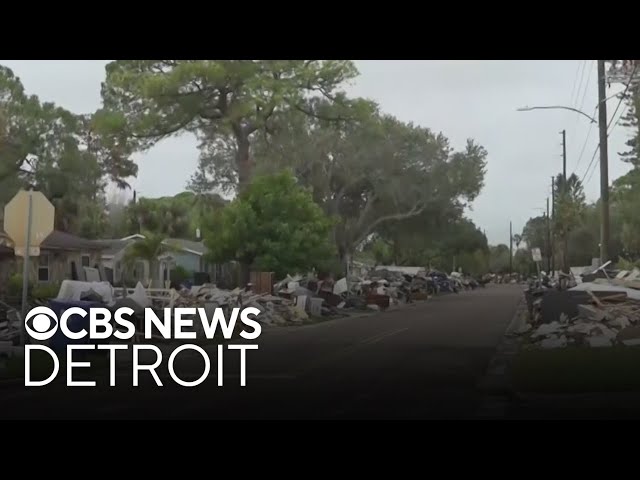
62,257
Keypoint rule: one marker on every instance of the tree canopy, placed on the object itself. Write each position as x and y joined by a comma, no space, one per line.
274,225
217,100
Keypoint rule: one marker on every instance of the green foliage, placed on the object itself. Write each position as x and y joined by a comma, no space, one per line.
179,274
534,234
274,226
570,203
39,290
177,217
438,238
626,200
218,100
381,252
57,152
14,285
499,259
625,264
373,172
148,248
45,290
473,262
523,263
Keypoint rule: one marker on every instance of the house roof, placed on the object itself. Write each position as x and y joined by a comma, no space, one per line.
113,246
58,240
197,248
65,241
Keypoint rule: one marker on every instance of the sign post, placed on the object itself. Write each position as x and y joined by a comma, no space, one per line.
28,220
25,270
537,257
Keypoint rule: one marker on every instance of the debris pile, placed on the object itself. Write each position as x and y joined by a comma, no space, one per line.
274,309
294,300
582,317
9,323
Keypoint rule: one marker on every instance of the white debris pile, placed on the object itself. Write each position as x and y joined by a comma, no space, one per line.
275,310
603,323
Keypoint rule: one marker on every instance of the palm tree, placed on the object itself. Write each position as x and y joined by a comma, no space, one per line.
517,239
149,249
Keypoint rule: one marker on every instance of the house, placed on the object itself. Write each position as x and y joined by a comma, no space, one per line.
62,257
185,254
180,253
113,260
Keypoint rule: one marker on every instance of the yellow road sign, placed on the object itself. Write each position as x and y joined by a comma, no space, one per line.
16,215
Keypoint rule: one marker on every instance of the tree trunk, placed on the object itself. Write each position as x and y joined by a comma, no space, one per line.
243,162
345,259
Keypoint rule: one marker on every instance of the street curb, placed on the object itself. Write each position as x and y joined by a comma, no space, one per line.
495,384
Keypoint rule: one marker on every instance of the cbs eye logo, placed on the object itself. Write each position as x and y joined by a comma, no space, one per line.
44,323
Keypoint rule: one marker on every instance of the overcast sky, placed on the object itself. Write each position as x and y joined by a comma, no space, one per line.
462,99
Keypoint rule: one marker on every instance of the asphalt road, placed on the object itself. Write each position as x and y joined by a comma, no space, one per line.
419,362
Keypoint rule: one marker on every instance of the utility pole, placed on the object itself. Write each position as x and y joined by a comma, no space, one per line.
548,240
510,249
553,212
604,163
564,192
564,156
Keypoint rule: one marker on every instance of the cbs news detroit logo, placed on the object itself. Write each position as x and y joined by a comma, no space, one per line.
42,325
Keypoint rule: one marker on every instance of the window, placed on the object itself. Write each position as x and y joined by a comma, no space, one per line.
74,271
86,260
43,268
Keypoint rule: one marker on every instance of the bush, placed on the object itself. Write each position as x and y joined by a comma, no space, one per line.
45,290
624,264
179,275
14,287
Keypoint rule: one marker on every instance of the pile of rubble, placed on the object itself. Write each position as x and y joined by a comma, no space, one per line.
276,310
583,317
397,286
295,300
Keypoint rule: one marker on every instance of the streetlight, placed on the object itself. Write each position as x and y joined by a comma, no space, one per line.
604,161
553,107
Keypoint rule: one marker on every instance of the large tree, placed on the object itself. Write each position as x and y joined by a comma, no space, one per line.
569,212
223,102
626,201
50,149
371,170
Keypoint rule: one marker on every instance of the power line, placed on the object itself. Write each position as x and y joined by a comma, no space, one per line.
584,146
575,82
622,96
589,166
583,65
586,86
584,96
